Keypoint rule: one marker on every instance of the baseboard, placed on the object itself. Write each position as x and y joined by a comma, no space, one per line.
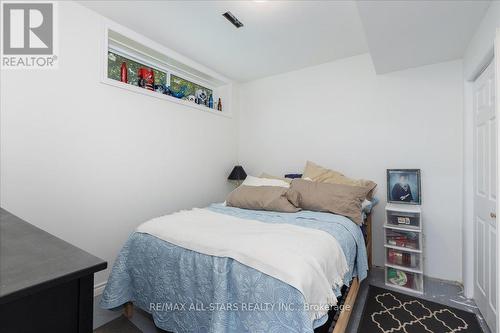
99,288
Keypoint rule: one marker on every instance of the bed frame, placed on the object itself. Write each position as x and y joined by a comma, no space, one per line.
338,326
341,325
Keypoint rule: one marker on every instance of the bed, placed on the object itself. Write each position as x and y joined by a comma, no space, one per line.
187,291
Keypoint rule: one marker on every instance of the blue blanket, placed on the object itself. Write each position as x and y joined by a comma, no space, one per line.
186,291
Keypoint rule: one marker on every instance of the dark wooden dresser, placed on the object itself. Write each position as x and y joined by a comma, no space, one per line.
46,284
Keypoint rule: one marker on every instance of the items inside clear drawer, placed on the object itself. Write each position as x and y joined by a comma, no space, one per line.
405,219
401,238
403,279
403,258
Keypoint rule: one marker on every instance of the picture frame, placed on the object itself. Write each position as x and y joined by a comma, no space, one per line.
404,186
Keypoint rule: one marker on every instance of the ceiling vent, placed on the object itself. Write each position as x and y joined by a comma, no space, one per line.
231,18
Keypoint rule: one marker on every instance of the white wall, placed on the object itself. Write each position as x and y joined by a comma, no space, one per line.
343,116
89,162
480,49
477,56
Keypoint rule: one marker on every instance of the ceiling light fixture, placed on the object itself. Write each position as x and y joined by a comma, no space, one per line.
231,18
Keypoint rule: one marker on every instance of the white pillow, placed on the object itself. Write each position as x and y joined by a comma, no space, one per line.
366,206
256,181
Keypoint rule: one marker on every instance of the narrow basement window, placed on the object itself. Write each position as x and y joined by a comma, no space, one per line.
141,65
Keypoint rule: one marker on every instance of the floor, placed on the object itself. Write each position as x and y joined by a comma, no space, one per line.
435,290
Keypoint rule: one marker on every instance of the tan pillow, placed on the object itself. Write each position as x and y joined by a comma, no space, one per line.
319,174
266,175
261,198
339,199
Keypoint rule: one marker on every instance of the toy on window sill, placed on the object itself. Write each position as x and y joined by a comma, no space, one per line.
201,97
146,78
123,73
219,105
167,91
180,93
160,88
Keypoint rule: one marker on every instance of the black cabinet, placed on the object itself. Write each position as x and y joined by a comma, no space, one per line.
46,284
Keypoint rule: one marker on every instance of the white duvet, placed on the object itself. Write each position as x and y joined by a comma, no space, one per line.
310,260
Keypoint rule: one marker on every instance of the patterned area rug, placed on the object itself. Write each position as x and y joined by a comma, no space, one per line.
391,312
118,325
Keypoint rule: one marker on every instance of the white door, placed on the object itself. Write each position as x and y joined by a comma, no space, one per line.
485,189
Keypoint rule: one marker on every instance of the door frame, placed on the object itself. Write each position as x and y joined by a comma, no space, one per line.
468,170
496,59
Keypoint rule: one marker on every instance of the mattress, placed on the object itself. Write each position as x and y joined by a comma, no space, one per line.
187,291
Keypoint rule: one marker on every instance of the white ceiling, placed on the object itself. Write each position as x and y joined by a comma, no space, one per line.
280,36
404,34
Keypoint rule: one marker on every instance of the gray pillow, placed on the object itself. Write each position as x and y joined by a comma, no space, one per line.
271,198
339,199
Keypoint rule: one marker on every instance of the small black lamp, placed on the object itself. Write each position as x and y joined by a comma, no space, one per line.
238,175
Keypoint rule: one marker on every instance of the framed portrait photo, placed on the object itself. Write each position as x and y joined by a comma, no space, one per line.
403,186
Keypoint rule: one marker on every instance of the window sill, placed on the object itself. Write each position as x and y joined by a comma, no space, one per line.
168,98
